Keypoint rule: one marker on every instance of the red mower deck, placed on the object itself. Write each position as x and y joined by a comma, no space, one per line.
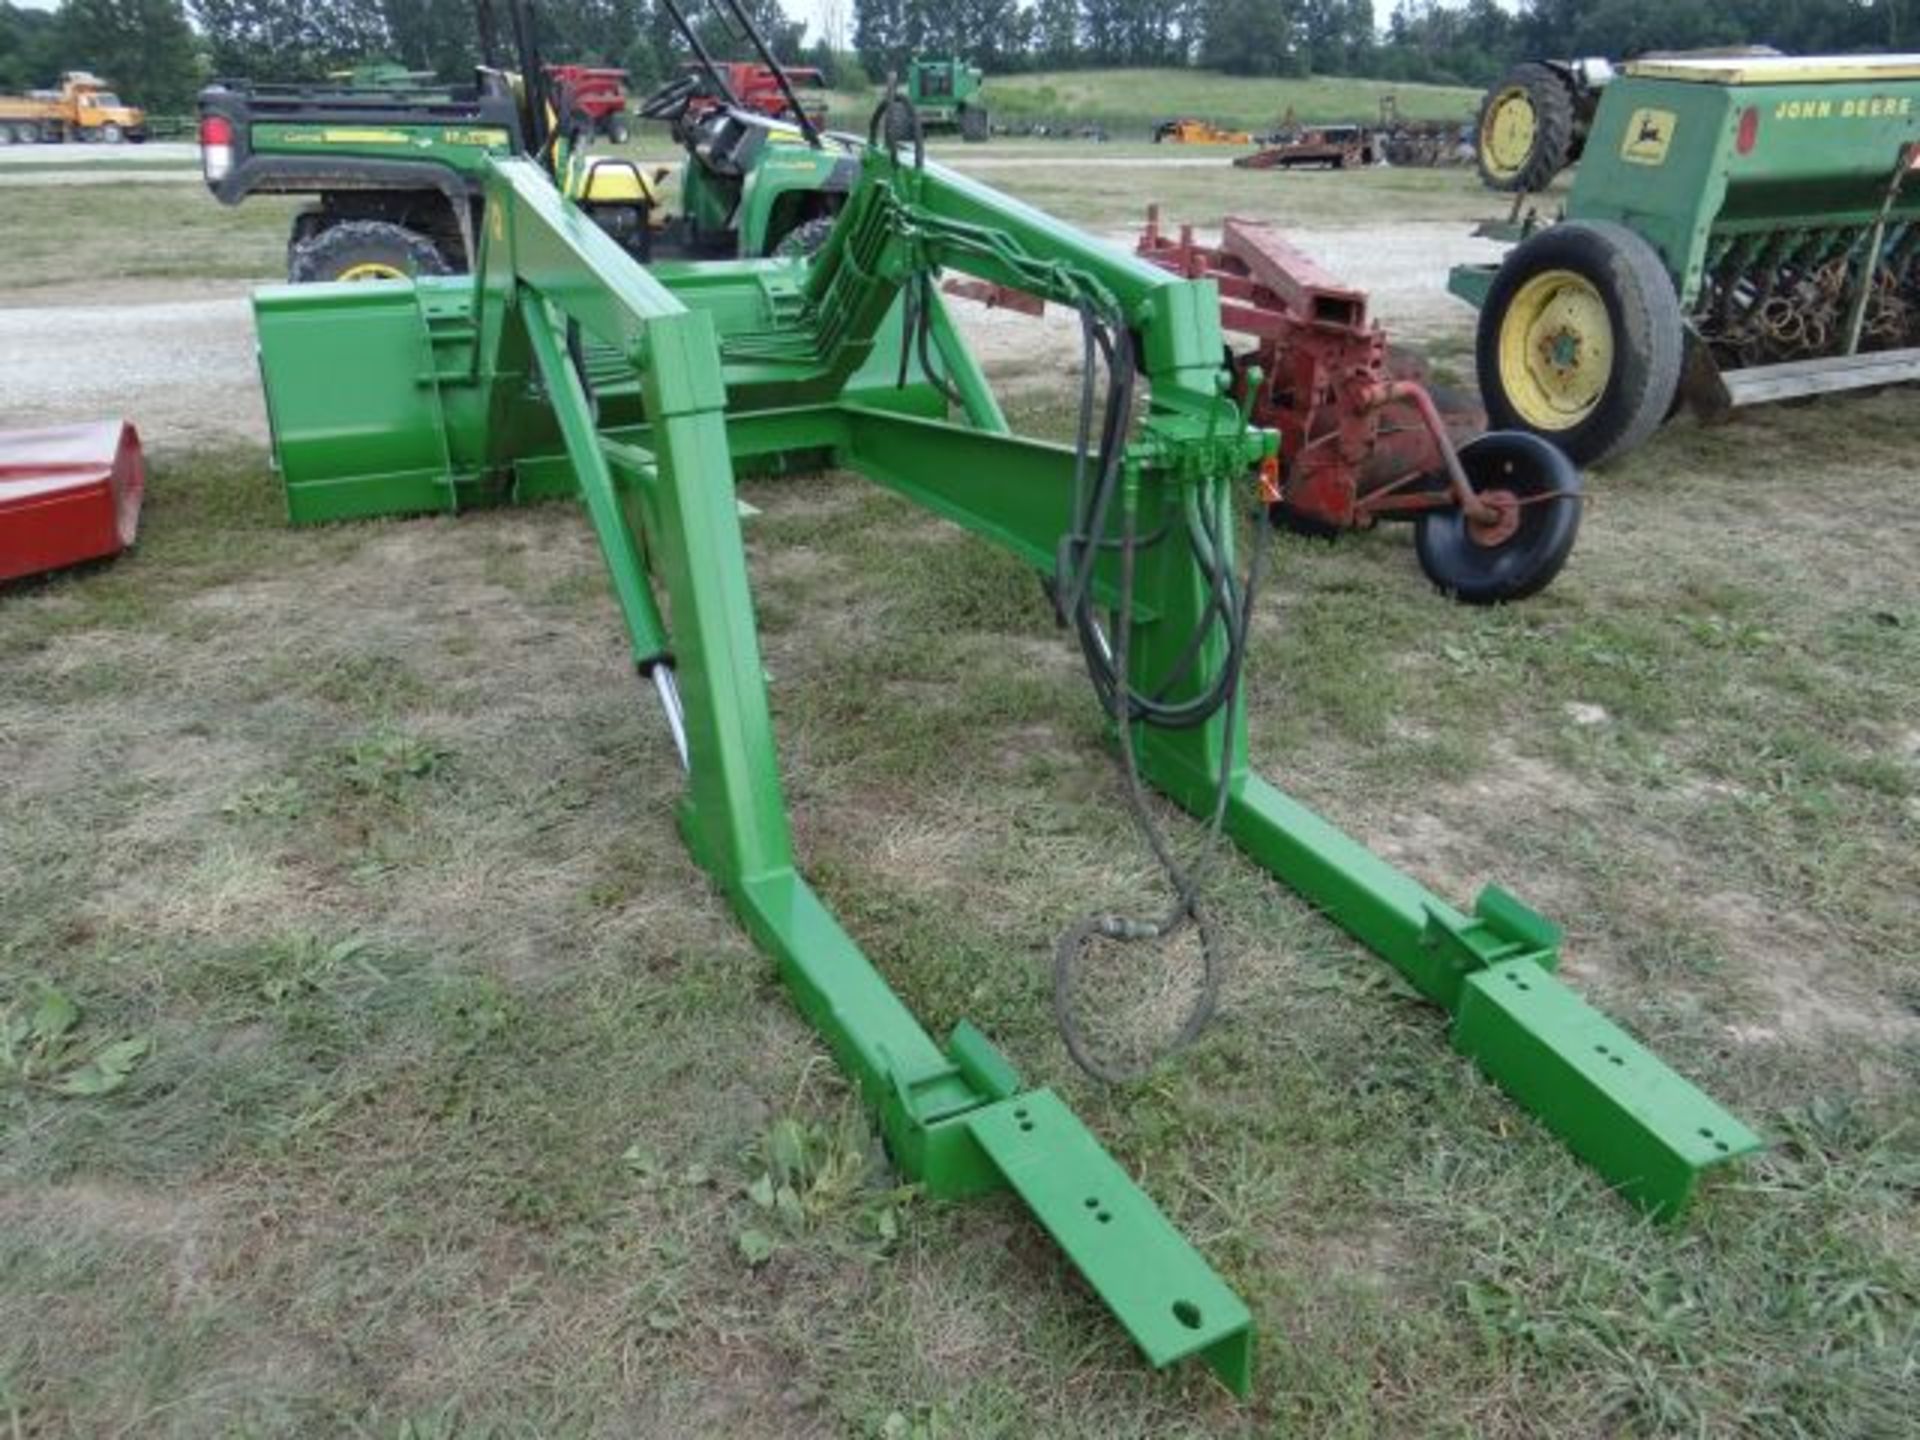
68,494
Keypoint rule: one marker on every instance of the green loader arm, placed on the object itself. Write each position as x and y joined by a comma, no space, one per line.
561,368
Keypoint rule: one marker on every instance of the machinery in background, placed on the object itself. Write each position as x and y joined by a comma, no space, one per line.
394,165
1361,438
597,94
1323,147
1422,144
757,88
1534,121
82,109
1189,131
1742,229
68,494
945,94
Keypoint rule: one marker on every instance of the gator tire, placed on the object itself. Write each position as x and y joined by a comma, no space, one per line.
900,123
1525,133
805,239
1581,340
975,124
365,250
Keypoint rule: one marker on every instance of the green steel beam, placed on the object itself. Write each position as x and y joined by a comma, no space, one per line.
440,394
954,1117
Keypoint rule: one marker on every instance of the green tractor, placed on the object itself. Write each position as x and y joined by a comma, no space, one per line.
945,95
395,161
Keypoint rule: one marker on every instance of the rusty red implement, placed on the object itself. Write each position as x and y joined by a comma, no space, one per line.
68,494
1361,437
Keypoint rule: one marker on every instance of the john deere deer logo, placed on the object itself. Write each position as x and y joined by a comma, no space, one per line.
1649,134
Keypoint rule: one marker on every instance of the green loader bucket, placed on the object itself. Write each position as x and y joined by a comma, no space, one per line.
357,421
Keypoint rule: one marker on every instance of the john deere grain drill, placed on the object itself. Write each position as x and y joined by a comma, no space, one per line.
1741,230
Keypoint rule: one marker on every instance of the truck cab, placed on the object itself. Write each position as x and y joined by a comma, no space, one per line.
100,114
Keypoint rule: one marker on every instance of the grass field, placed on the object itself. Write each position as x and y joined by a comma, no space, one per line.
1130,102
412,1081
61,234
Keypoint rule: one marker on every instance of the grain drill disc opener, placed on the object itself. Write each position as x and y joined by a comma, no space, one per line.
562,368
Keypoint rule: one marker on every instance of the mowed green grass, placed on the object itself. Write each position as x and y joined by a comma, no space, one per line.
461,1079
56,234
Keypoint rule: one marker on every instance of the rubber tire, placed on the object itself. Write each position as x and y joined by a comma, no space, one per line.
1648,330
806,238
1525,563
897,129
112,134
1551,94
618,130
975,126
27,133
341,246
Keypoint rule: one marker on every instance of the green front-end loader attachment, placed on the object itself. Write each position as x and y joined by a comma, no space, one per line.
561,368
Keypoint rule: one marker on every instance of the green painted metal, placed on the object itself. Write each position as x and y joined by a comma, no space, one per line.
778,187
442,394
940,88
1763,176
1665,155
773,182
463,146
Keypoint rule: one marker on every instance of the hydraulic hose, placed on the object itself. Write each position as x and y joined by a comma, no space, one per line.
1100,482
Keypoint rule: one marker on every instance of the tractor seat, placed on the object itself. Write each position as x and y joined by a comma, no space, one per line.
607,180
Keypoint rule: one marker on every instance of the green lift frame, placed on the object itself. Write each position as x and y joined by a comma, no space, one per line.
561,368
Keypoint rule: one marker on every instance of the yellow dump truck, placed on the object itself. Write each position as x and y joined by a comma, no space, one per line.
83,108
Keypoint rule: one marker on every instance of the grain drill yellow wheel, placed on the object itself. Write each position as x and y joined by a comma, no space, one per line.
1580,340
1556,350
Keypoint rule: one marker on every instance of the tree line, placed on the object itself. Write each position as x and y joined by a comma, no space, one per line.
1439,41
158,52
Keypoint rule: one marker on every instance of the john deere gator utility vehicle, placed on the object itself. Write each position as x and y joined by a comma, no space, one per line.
1742,229
395,160
564,368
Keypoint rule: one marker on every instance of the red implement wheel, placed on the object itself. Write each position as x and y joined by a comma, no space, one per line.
1534,492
